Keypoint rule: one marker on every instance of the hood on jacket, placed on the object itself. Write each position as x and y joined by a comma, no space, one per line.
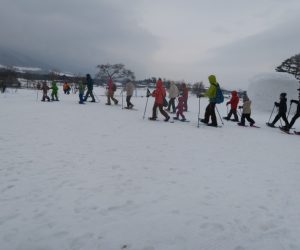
212,79
180,99
234,93
159,83
245,98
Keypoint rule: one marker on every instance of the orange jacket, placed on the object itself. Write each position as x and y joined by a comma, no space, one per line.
159,93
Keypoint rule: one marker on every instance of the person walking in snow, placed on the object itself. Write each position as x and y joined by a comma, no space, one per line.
81,89
282,108
54,91
173,93
129,88
90,85
159,93
234,101
111,88
66,88
210,109
45,90
295,117
246,114
185,94
180,109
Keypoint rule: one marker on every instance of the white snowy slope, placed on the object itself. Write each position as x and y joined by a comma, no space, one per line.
90,177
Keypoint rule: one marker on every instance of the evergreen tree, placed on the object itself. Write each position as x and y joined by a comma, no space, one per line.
291,66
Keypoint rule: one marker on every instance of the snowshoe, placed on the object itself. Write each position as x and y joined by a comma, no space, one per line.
270,125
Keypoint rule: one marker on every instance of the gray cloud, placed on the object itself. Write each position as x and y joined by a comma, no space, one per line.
76,35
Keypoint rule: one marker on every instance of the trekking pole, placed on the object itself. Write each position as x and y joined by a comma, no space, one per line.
122,98
271,114
98,100
219,115
146,104
37,94
198,114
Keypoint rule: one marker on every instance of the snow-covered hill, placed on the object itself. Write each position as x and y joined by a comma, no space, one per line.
98,177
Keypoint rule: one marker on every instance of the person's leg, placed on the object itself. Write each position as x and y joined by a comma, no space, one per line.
128,101
213,114
154,110
296,116
277,117
164,113
173,105
229,114
249,119
285,119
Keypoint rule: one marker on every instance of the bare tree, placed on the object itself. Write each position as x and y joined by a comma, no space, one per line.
117,72
198,88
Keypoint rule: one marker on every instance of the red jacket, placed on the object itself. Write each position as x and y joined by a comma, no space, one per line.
159,93
110,84
234,101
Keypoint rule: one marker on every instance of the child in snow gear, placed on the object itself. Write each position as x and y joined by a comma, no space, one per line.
185,94
129,88
81,89
246,111
159,93
282,108
173,93
111,88
45,89
66,88
210,109
180,109
54,91
234,101
90,85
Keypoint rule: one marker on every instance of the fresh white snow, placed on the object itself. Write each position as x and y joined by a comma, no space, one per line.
92,176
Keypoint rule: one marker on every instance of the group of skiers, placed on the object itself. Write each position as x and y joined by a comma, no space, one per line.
213,93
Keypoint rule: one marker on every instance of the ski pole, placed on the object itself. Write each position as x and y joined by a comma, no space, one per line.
146,104
219,115
271,114
122,99
199,114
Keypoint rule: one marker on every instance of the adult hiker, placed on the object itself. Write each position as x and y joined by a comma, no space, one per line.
295,117
159,93
282,108
173,93
89,92
246,114
129,88
210,109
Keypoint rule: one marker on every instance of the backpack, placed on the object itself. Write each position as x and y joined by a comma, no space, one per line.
114,87
219,98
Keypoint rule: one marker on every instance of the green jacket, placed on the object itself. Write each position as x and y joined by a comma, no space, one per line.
81,87
212,91
54,88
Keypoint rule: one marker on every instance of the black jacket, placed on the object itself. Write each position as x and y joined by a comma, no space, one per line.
281,105
298,107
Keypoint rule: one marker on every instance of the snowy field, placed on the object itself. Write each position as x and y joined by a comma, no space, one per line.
96,177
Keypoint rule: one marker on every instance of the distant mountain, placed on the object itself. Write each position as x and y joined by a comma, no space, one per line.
9,57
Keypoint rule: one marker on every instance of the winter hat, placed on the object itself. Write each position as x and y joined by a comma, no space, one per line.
283,95
245,97
212,79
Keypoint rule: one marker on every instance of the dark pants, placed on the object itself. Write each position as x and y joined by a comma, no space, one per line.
89,93
296,116
45,96
180,112
110,95
81,98
129,104
234,113
54,95
154,110
172,104
210,112
283,116
249,119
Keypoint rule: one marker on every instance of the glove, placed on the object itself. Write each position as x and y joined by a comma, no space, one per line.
240,107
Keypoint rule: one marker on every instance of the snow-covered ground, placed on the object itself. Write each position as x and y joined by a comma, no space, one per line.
87,177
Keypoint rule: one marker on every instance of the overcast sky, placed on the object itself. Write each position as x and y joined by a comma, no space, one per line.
174,39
